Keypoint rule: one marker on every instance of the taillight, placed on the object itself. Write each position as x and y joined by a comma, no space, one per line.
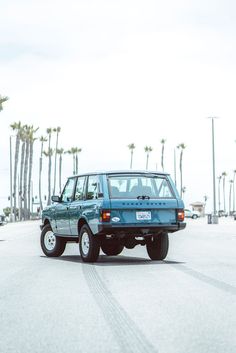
180,215
105,216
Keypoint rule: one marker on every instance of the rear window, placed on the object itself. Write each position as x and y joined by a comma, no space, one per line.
139,186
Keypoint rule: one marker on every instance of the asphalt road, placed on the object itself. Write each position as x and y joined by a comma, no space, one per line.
127,303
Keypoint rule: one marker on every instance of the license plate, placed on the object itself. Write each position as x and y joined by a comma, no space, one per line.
143,215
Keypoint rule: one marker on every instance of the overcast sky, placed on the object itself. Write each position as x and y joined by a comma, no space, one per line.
115,72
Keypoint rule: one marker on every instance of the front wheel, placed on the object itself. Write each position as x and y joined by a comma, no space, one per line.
157,248
51,245
89,245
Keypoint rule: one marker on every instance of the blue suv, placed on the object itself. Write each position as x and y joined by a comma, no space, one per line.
113,210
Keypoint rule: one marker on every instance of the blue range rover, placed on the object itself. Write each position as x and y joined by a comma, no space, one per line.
113,210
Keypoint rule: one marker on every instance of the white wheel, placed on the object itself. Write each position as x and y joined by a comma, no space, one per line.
85,243
51,245
89,245
49,240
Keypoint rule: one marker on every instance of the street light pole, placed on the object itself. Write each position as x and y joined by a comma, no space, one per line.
214,215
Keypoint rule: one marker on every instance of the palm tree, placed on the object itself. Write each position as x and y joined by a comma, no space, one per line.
224,174
26,168
60,152
131,147
77,151
219,178
31,146
74,152
42,140
162,153
22,162
57,130
18,128
49,155
147,149
181,146
230,195
2,100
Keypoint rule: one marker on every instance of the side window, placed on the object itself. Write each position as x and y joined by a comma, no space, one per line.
93,187
67,194
79,191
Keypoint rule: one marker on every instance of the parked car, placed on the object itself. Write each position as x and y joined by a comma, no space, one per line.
113,210
191,214
222,213
2,220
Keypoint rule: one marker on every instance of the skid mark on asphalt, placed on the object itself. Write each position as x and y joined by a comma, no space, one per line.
207,279
127,334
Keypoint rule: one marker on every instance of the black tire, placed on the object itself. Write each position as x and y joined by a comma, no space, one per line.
111,247
51,245
89,245
157,248
194,216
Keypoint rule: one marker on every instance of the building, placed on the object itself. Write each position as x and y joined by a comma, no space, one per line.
199,206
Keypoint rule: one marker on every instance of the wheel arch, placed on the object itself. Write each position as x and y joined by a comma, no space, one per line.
46,221
81,223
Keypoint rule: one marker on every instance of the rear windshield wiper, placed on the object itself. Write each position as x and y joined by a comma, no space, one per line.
143,197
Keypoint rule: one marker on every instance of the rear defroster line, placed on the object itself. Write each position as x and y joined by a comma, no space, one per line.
207,279
128,336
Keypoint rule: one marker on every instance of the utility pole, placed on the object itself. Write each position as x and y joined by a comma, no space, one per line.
214,214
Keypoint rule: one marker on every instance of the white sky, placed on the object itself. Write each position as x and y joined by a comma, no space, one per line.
115,72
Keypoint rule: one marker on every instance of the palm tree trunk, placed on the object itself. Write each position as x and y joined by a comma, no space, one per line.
162,157
49,170
234,193
181,173
21,179
73,164
60,167
230,193
76,164
17,147
219,194
147,161
30,175
26,166
224,194
131,159
55,165
40,174
175,168
40,182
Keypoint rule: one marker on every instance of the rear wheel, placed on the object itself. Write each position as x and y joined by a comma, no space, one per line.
157,248
51,245
89,245
111,247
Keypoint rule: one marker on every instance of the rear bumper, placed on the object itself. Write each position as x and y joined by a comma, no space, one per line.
142,230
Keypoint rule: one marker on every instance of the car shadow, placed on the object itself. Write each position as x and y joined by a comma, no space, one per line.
119,260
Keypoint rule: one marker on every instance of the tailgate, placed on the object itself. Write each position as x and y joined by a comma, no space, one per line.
150,211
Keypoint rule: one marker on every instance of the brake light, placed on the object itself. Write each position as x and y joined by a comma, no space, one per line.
180,215
106,216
